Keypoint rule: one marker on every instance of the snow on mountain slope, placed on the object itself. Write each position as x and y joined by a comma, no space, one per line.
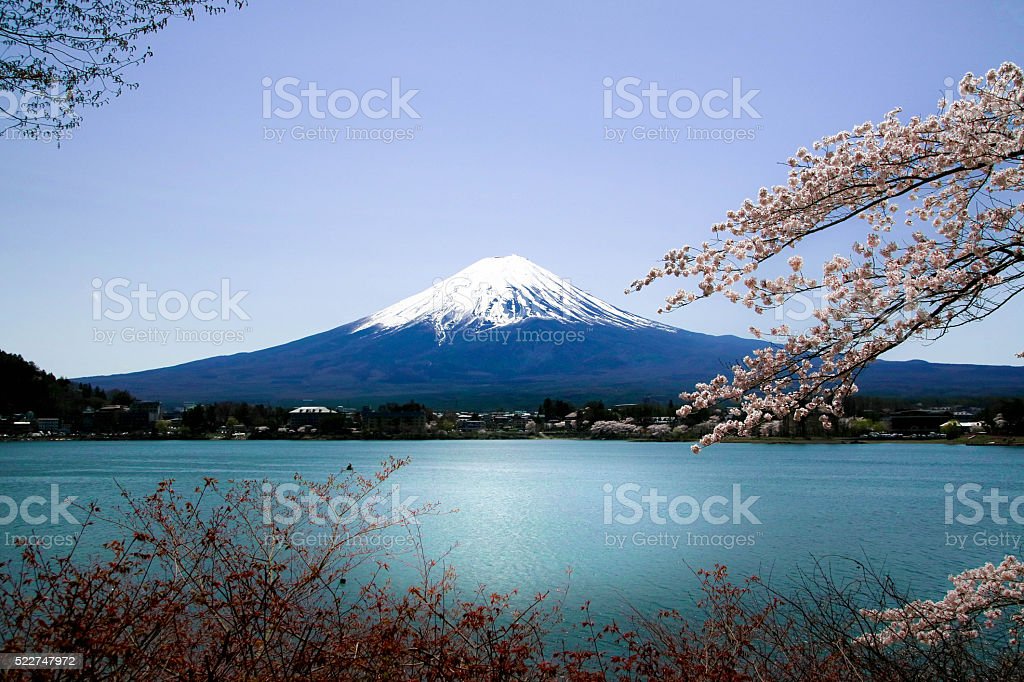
500,291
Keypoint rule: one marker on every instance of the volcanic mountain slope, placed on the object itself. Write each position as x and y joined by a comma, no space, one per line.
505,332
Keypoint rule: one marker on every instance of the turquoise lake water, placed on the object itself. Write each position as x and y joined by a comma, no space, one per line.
530,509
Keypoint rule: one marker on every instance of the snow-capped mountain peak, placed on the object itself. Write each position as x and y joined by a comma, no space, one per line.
500,291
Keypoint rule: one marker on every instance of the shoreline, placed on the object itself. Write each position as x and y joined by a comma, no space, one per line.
973,441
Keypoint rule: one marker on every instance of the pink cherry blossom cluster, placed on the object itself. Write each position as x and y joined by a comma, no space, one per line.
979,598
614,428
952,255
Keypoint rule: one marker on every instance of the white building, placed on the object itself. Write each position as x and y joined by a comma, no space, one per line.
308,415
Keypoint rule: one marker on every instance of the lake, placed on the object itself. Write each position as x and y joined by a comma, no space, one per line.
528,509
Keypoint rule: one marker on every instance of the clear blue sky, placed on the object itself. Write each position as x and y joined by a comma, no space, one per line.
174,184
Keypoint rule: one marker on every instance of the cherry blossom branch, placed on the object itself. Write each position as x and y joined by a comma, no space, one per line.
953,255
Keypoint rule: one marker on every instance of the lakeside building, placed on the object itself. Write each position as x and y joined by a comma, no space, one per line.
310,415
48,423
467,424
139,416
919,421
146,413
394,422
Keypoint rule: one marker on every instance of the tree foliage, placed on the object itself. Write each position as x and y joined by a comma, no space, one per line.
24,387
60,56
223,582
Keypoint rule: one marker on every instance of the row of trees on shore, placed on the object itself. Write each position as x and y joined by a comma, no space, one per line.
25,388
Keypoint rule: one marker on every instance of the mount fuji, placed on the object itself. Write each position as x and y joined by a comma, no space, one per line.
505,333
500,292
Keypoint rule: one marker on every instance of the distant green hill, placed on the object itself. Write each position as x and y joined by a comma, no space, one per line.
24,387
